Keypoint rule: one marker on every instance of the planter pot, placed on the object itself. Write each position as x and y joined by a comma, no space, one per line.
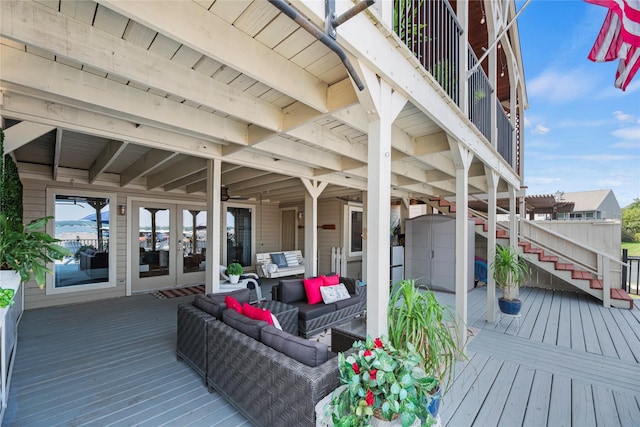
434,404
377,422
9,279
510,307
234,278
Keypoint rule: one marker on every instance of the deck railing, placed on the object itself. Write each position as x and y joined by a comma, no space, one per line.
631,273
431,30
505,136
480,91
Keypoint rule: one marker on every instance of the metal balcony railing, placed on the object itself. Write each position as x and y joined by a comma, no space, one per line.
432,32
505,135
430,29
480,91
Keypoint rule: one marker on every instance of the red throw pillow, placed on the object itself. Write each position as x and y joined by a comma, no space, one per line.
312,288
233,303
330,280
257,313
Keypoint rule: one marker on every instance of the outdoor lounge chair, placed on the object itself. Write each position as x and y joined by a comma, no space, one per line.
250,280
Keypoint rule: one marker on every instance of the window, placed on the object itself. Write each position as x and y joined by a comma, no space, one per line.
83,224
239,235
355,231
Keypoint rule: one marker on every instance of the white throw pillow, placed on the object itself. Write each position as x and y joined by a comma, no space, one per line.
331,294
292,259
276,324
272,268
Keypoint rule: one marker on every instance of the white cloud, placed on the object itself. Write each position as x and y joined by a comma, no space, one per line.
560,86
627,144
622,117
540,130
542,180
632,133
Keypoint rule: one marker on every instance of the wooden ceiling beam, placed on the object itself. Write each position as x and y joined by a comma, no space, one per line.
107,156
177,171
145,164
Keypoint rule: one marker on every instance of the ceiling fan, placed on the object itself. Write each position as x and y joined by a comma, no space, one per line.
224,195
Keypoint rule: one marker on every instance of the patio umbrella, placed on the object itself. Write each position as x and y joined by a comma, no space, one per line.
619,38
104,216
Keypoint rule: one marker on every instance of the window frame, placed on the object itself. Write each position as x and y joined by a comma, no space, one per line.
50,288
349,220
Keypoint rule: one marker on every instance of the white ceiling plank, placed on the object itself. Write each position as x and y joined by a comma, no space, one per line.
177,171
111,97
23,133
187,180
149,161
108,155
110,21
184,21
256,17
24,107
81,43
83,11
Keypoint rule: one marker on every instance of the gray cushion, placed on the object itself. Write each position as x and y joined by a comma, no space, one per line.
242,295
347,302
350,284
242,323
292,290
209,306
311,353
312,311
279,259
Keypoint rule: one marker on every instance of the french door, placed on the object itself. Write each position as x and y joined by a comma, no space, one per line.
168,245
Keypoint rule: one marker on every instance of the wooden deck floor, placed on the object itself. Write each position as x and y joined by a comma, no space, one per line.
572,362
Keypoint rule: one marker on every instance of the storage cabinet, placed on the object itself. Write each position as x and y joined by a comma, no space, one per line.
430,251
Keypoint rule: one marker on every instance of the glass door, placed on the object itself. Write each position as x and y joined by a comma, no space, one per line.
239,224
169,245
193,246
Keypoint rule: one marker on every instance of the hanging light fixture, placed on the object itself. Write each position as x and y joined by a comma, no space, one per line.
482,20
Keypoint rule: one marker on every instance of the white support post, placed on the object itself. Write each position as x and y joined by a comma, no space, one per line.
513,221
212,273
606,281
492,182
383,106
462,160
314,189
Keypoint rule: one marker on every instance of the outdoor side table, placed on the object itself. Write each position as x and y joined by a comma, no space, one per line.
286,314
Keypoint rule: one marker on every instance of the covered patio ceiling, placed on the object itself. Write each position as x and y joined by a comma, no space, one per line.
98,94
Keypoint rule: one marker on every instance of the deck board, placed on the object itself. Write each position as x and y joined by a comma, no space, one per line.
573,362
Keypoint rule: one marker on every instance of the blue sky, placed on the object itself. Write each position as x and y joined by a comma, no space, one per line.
581,133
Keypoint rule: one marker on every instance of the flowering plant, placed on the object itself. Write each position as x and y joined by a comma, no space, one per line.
383,381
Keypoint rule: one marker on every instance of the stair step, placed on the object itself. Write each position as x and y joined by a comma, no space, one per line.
581,275
565,266
502,233
548,258
596,284
621,294
531,250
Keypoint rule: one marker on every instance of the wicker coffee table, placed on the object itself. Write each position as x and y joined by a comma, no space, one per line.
342,339
286,314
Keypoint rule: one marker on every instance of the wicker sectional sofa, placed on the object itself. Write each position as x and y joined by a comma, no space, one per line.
272,377
315,318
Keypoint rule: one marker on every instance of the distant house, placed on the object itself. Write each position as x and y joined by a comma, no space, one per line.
591,205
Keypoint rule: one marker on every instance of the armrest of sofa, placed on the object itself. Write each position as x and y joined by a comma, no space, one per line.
191,337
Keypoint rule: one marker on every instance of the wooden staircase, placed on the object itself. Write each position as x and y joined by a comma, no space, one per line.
565,270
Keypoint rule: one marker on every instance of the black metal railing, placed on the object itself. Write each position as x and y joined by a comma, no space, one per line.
631,274
480,91
432,32
505,135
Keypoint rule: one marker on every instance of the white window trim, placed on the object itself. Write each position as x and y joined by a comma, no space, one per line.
348,212
113,240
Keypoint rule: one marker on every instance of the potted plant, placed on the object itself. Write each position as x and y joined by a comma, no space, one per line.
380,383
510,272
416,317
234,270
26,250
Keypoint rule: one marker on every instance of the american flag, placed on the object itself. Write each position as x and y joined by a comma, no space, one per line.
619,39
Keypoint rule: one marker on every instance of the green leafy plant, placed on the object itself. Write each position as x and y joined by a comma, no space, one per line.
26,250
234,269
6,297
10,185
416,318
510,271
383,381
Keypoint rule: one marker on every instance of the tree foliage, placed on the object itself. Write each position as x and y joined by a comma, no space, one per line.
631,221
